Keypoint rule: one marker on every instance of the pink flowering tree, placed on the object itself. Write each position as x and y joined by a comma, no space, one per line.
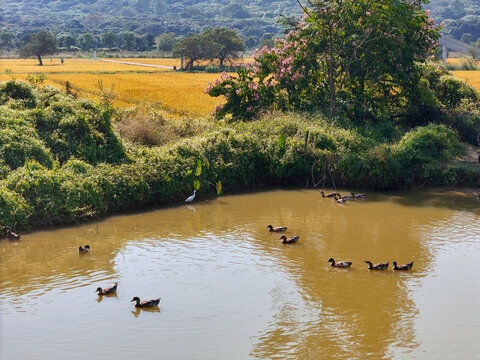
356,55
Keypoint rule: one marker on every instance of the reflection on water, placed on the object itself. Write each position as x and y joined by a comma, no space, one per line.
231,290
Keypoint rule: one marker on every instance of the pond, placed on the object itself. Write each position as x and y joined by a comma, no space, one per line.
230,290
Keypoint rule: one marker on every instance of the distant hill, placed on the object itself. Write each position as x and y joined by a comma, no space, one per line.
254,19
250,18
461,17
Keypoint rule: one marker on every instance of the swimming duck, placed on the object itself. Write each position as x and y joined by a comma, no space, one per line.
10,234
340,264
146,303
340,201
277,229
379,266
358,196
84,249
290,240
402,267
346,197
108,290
328,195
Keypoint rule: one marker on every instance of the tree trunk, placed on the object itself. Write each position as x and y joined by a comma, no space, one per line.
333,91
39,60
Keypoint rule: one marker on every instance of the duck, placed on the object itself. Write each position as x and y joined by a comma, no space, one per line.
108,290
10,234
340,200
277,229
358,196
84,249
328,195
340,264
290,240
402,267
190,198
379,266
145,303
346,197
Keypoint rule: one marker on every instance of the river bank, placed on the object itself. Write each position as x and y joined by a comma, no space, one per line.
63,160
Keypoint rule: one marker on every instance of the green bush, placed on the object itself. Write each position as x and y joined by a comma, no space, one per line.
451,91
58,127
20,91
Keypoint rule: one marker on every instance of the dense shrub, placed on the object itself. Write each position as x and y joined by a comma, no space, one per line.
19,91
58,127
451,91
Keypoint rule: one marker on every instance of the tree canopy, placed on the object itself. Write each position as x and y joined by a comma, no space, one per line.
357,55
220,43
40,44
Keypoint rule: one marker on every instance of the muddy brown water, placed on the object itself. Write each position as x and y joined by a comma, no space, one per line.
231,290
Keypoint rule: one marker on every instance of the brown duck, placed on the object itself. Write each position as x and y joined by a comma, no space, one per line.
145,303
328,195
108,290
340,264
277,229
84,249
379,266
290,240
358,196
402,267
10,234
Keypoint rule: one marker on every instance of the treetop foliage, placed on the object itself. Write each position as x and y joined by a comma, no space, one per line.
360,56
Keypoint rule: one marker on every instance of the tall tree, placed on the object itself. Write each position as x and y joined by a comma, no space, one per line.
87,42
128,40
194,48
348,53
6,40
40,44
229,44
165,42
109,39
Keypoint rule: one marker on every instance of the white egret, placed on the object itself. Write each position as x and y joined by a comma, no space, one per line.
190,198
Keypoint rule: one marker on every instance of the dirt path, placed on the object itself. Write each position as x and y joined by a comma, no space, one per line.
139,64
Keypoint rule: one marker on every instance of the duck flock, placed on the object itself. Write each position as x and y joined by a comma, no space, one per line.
339,199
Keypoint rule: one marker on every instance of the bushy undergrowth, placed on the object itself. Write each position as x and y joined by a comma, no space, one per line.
56,127
53,182
148,126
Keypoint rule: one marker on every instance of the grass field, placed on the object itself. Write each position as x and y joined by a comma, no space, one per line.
178,93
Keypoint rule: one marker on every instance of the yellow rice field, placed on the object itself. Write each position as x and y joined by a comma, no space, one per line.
30,66
471,77
179,93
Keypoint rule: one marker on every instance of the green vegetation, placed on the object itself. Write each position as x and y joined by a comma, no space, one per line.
220,43
134,24
61,161
81,25
39,44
